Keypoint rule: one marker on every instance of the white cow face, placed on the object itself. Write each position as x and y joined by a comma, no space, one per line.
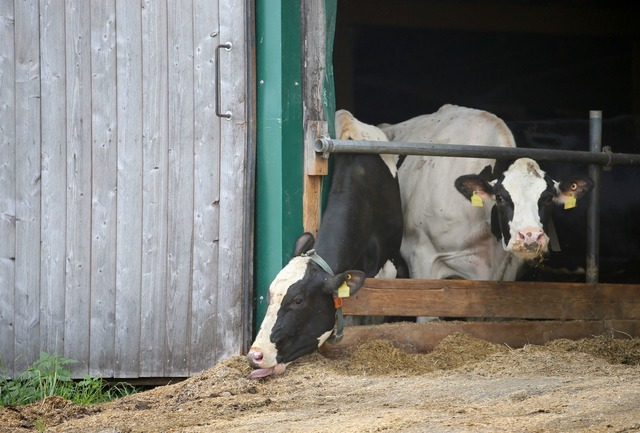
300,316
523,196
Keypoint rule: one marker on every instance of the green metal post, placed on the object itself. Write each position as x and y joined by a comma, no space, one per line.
279,162
279,142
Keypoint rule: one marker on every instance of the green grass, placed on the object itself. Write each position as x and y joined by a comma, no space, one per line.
50,376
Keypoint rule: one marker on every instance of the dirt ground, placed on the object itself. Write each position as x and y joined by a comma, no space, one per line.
464,385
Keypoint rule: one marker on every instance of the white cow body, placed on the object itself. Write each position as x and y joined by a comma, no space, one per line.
444,236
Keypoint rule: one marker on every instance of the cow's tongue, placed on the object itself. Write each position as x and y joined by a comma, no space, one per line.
261,372
264,372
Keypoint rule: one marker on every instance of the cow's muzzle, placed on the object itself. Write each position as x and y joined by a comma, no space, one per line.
256,360
530,243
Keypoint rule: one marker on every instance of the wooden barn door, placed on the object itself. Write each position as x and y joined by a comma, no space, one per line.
125,199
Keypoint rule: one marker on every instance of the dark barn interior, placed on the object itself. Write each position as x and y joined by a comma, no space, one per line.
539,65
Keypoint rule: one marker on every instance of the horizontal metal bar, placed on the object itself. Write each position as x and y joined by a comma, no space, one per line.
328,145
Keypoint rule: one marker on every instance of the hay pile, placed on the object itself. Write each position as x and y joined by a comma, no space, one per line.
378,381
383,358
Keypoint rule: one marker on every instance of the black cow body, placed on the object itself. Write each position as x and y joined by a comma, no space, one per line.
361,230
362,225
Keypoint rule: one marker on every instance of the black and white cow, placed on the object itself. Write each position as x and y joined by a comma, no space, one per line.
444,235
361,230
619,201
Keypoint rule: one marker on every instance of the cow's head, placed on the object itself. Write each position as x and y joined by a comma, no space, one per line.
301,312
523,196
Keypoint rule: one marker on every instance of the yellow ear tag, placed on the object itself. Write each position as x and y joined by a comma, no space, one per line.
343,290
476,200
570,202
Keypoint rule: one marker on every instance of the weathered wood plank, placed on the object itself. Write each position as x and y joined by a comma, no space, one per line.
104,186
27,171
54,166
312,190
155,177
233,279
7,184
423,337
180,185
206,188
315,165
312,183
618,301
460,298
78,174
129,195
312,18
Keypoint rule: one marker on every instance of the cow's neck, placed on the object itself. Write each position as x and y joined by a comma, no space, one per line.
338,259
337,241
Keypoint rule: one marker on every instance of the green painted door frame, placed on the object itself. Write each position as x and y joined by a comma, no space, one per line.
279,158
279,142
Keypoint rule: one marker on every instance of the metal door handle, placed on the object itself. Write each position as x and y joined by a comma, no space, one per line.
227,114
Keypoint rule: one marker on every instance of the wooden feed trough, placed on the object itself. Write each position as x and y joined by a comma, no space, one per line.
539,312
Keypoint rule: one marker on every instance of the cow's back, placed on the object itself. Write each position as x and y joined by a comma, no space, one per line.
444,236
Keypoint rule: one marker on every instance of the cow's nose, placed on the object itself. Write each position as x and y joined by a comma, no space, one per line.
255,357
531,235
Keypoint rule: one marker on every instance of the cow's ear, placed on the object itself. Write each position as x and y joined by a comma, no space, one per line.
469,184
572,188
303,244
487,173
346,283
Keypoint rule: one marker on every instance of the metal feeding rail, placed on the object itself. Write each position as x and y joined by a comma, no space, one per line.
596,157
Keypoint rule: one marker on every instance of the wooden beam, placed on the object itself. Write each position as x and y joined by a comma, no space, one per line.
315,168
522,300
312,17
312,189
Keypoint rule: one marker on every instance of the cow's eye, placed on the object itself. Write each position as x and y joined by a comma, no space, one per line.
297,301
499,198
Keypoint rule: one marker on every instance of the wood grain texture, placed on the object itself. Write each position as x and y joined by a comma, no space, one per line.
233,181
7,182
118,185
524,300
128,284
28,183
180,186
78,117
312,17
206,212
53,175
104,187
155,177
